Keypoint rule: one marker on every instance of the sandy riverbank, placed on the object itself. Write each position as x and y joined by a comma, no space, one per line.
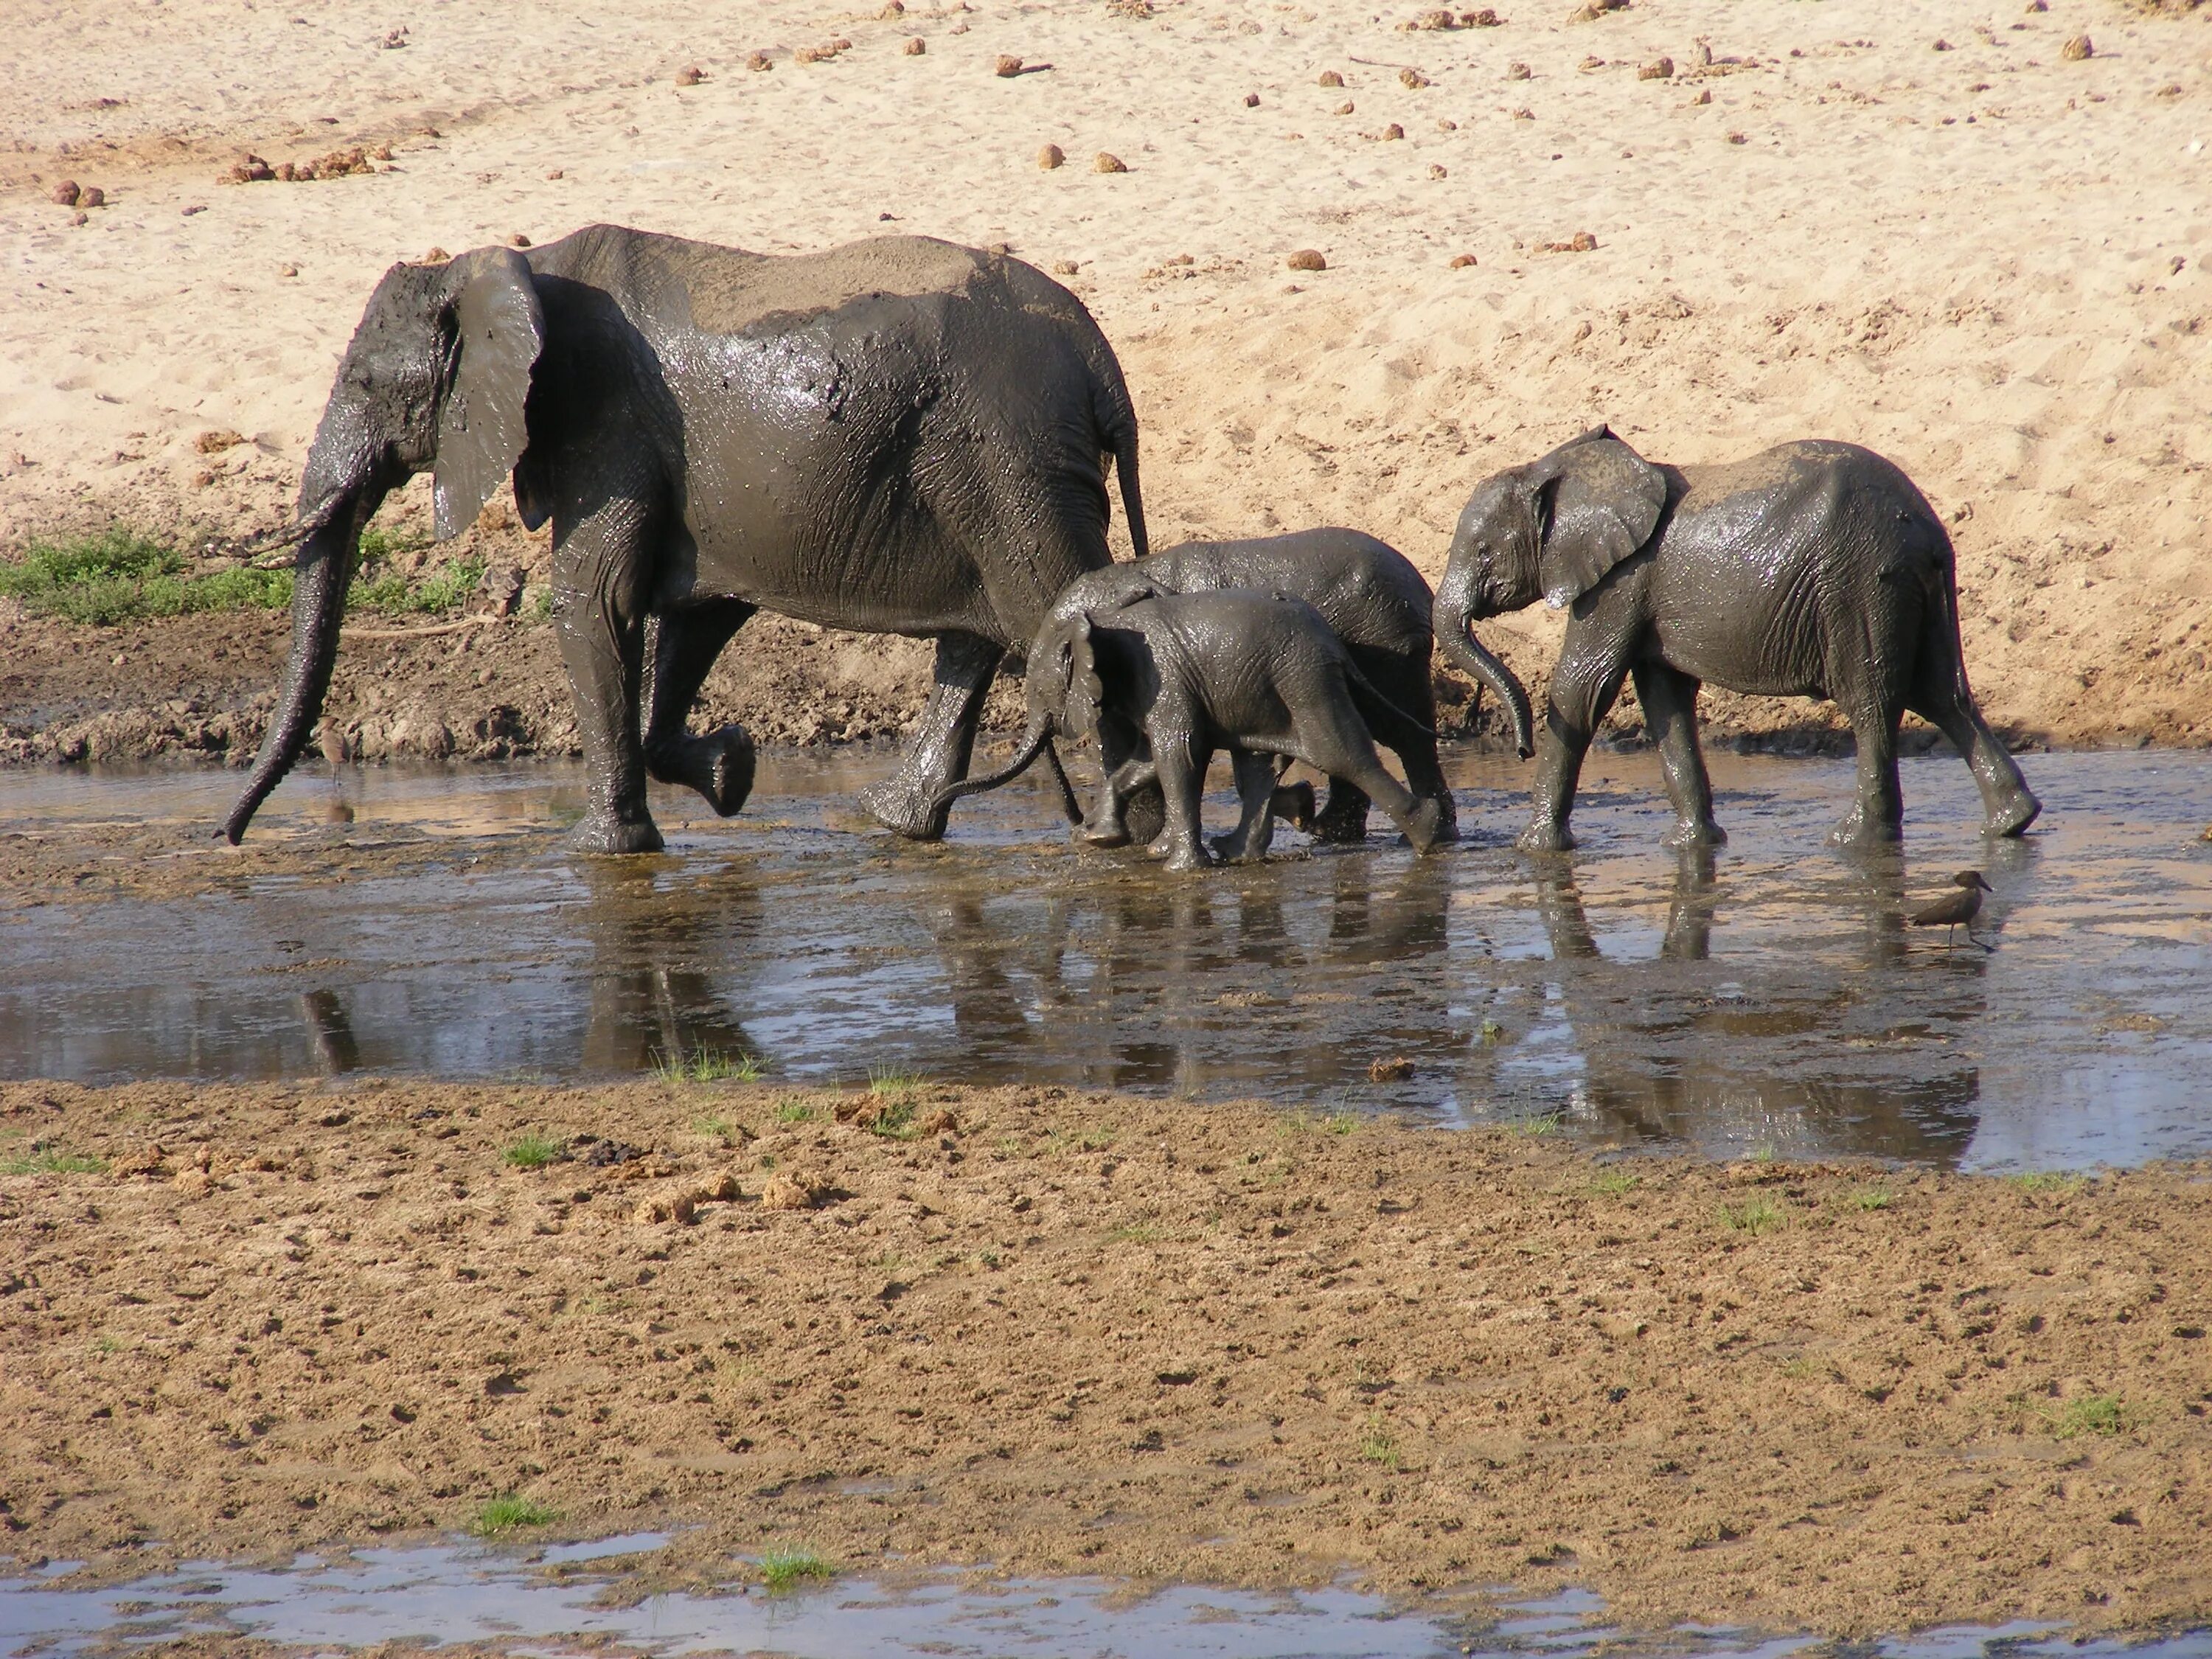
1061,1332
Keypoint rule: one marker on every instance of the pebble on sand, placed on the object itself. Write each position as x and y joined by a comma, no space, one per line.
1738,139
1436,170
1307,258
1461,261
66,192
1704,96
1580,242
2075,50
896,8
92,196
1051,156
1519,72
1484,19
1007,66
1445,123
1329,78
1107,163
1344,108
1251,100
1394,131
1659,69
436,256
1064,267
517,241
1411,79
1942,46
915,46
690,75
757,61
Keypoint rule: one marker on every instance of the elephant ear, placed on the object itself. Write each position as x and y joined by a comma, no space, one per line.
1597,501
499,328
1086,692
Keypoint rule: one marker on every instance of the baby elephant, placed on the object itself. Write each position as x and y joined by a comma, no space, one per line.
1373,600
1814,569
1185,674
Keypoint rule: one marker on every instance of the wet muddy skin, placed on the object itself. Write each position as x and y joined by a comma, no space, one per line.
1770,996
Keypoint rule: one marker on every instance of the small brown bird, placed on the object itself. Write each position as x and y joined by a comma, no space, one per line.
1958,910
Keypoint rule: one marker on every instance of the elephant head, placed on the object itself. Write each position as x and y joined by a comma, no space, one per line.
436,376
1549,530
1064,693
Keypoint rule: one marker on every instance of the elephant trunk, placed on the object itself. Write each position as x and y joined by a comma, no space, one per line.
1034,741
324,571
1454,632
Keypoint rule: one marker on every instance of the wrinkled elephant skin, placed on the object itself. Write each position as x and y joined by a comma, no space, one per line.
897,436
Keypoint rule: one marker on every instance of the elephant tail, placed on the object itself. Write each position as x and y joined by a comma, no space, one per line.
1943,634
1371,703
1117,426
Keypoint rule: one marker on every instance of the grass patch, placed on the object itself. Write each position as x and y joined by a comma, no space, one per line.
1614,1183
47,1161
533,1151
501,1517
786,1569
120,575
2089,1414
1757,1215
794,1111
893,1120
1378,1447
1870,1199
1548,1124
895,1083
708,1065
1138,1232
2047,1180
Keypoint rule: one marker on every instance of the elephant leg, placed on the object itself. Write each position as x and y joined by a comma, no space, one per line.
1344,819
1334,737
1121,757
720,764
1180,761
938,756
2008,805
599,571
1413,741
1878,814
1583,686
1670,714
1248,842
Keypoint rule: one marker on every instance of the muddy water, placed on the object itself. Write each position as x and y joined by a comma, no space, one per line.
1767,997
502,1601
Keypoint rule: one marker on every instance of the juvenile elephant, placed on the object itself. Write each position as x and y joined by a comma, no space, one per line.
899,436
1186,674
1371,598
1813,569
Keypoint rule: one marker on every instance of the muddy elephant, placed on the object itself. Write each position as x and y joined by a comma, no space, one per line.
1167,679
1369,595
899,436
1813,569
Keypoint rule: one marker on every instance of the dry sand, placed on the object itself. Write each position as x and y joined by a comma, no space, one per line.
1050,1331
1987,261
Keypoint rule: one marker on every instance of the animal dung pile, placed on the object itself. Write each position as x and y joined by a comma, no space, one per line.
1396,1069
2078,49
1344,108
1591,10
822,53
915,46
792,1189
1580,242
215,442
682,1206
1484,19
757,62
1064,267
1329,78
1107,163
1411,79
70,193
1461,261
1393,131
1307,258
1051,156
338,164
690,75
1519,72
1659,69
1007,66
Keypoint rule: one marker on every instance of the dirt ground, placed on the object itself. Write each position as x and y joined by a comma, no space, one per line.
1051,1332
1976,241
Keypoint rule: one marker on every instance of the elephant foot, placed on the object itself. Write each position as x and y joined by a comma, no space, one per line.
2014,820
1112,833
905,811
603,833
1861,828
719,765
1180,855
1545,836
1694,834
1237,848
1294,804
1423,826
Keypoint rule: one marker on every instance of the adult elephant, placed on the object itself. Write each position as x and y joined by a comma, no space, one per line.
1813,569
898,436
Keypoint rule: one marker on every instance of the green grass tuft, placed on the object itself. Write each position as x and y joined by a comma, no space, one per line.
895,1082
708,1065
794,1111
786,1568
2089,1414
1614,1183
1547,1124
533,1151
1756,1215
893,1120
50,1161
1871,1198
1377,1446
120,575
2047,1180
500,1516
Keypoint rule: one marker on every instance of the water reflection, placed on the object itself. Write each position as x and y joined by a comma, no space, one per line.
1768,994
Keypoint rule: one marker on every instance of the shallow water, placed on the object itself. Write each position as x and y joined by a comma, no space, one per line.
1766,998
512,1601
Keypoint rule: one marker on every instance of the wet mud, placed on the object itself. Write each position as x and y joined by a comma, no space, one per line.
1770,997
1048,1331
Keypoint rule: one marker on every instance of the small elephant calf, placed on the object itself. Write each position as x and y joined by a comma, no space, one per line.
1260,675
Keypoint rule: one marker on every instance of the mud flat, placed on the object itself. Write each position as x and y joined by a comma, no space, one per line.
1052,1331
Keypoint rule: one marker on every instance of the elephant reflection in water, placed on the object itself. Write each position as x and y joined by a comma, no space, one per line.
653,1001
330,1032
1124,982
1668,1055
